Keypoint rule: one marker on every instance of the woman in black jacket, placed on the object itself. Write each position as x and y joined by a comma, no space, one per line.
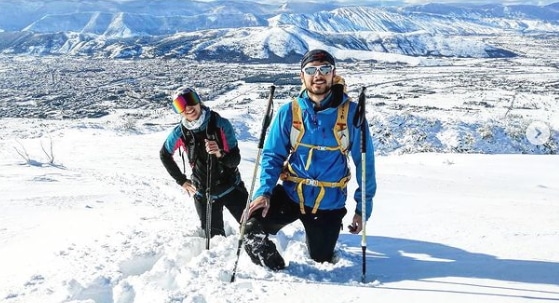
211,147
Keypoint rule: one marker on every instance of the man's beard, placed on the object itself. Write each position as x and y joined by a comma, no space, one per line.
325,88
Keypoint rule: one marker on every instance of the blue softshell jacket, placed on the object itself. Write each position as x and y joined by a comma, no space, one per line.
330,166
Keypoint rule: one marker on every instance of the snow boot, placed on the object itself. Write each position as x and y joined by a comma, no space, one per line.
262,251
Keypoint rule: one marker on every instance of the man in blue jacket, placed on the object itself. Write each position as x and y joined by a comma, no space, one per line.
307,149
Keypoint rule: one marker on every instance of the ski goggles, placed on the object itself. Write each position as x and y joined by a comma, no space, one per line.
323,69
186,98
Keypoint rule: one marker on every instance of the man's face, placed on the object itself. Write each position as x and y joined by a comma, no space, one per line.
320,82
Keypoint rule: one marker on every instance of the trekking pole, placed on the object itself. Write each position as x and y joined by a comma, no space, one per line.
265,124
208,201
362,120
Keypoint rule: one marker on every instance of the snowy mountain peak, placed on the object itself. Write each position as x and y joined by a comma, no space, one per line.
113,28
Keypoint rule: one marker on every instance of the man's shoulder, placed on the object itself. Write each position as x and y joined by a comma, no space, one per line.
286,107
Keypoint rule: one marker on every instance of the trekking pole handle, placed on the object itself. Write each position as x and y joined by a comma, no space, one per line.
267,118
362,118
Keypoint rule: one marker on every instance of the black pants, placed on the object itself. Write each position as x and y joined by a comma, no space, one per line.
322,229
235,202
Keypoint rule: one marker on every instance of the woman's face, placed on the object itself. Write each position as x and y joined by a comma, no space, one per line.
192,113
188,104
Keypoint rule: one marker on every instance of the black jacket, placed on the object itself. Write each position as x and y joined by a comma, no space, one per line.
224,173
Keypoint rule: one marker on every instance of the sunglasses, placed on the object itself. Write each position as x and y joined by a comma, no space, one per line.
323,69
186,98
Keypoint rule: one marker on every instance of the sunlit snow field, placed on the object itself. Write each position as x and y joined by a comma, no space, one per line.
466,208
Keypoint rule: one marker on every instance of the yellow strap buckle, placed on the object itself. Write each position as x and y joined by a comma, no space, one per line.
311,182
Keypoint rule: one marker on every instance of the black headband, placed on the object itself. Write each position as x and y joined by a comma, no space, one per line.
317,55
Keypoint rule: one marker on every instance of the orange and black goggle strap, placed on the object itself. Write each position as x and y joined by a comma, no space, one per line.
186,98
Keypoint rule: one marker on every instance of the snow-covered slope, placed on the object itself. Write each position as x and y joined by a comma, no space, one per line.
106,224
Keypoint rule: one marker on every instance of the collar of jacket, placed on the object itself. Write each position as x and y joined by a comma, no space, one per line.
200,123
325,105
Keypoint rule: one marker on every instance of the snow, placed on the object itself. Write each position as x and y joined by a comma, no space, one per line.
89,214
105,223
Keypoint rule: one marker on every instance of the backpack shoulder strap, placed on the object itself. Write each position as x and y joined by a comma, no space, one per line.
186,138
211,128
297,127
212,123
213,131
341,130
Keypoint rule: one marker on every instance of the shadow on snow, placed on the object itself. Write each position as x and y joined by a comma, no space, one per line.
394,260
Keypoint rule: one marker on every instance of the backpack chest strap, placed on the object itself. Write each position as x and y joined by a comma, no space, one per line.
316,183
317,147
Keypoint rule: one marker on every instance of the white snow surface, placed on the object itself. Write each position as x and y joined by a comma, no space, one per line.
106,224
89,214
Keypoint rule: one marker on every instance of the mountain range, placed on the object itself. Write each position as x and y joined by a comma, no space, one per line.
248,31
